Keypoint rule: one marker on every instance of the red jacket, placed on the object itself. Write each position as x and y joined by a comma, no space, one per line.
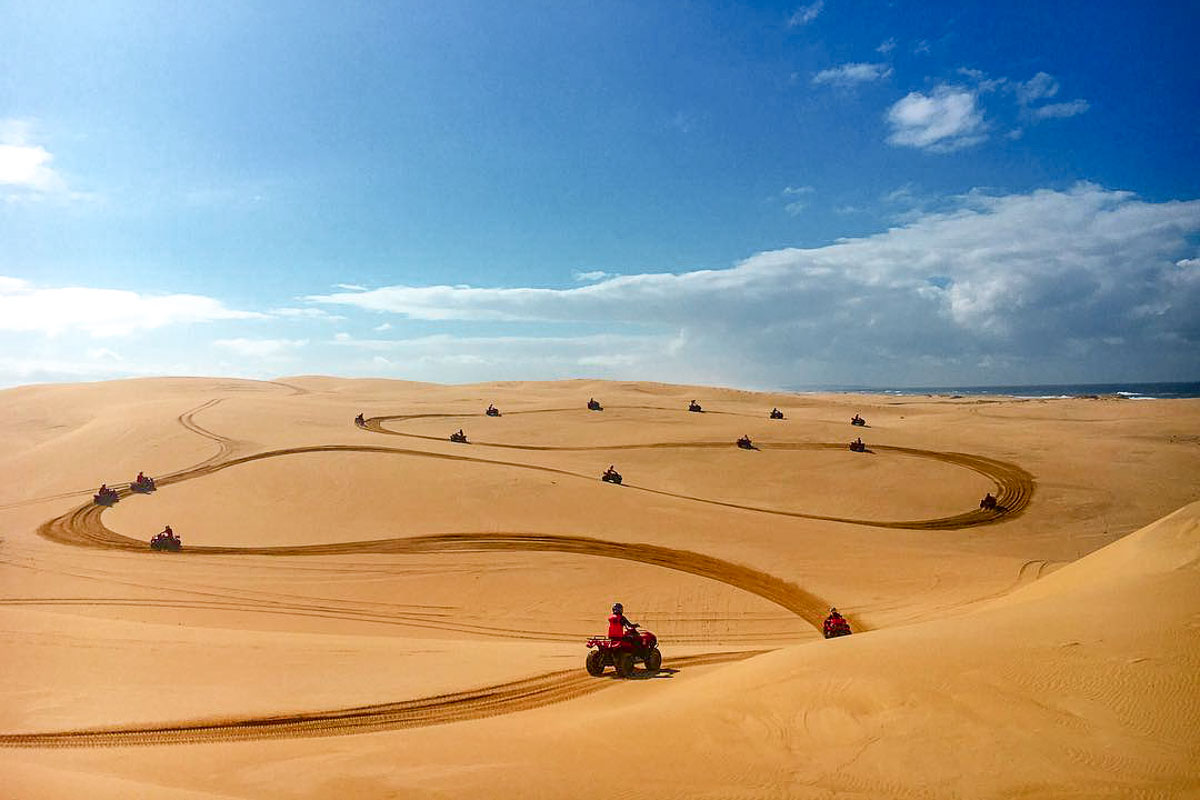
617,625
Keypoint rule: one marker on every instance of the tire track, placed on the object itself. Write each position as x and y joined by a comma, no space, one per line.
502,698
84,526
1014,485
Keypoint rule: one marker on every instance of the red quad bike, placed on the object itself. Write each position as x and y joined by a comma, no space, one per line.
623,654
836,627
145,485
165,541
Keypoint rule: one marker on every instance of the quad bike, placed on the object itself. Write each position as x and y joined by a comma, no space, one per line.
165,541
492,411
694,406
458,437
858,446
144,485
610,475
106,497
857,420
988,503
594,406
776,413
745,443
835,627
624,654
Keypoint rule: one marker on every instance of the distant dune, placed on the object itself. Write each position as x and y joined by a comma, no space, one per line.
371,610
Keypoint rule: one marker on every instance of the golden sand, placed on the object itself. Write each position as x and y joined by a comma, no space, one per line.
372,611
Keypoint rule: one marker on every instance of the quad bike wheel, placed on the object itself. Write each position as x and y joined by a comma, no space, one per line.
654,660
595,663
624,662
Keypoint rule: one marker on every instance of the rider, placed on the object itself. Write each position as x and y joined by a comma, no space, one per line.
620,628
141,478
834,620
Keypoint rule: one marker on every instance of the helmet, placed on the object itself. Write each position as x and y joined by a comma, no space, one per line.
833,611
618,608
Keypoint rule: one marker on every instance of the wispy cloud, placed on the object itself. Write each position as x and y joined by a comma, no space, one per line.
852,74
305,313
1039,87
591,276
103,312
887,46
261,348
350,287
1044,86
1060,110
796,198
805,14
1033,279
947,119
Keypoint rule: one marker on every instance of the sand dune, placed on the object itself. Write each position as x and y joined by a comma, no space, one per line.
376,611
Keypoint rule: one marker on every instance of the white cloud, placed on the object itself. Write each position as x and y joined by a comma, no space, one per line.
1060,110
591,276
805,14
1032,284
102,312
387,326
847,75
261,348
886,46
24,165
350,287
946,120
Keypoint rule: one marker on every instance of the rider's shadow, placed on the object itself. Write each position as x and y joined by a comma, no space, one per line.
643,675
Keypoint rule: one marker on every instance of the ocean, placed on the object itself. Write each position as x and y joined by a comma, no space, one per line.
1131,391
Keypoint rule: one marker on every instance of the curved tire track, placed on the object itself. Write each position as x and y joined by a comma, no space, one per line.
503,698
84,526
1014,485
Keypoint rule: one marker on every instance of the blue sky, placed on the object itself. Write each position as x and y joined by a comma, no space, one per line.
761,195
